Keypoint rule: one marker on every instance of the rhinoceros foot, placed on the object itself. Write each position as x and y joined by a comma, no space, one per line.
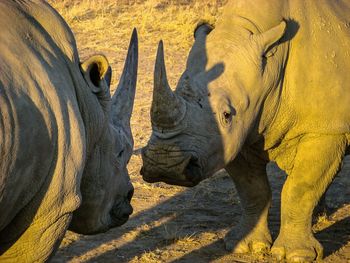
303,249
243,240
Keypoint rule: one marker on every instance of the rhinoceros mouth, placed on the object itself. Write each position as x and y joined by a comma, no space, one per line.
120,213
190,176
170,181
119,221
193,171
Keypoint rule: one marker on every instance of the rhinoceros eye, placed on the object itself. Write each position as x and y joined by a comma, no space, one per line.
227,113
227,118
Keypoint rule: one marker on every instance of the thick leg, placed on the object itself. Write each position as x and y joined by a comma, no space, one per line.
316,162
321,208
252,235
39,241
46,219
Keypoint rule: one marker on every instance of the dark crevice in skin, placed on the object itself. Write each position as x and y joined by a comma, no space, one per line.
192,174
199,103
193,171
156,162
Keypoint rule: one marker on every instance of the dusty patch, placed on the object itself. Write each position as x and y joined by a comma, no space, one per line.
174,224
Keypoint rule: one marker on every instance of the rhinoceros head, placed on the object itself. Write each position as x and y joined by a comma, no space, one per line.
201,126
105,187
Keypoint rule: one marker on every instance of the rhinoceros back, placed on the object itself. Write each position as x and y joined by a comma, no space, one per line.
40,125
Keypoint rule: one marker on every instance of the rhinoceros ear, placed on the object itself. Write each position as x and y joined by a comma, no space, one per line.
97,73
268,38
197,59
202,29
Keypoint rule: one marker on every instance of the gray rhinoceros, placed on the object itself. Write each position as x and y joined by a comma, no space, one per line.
64,140
270,82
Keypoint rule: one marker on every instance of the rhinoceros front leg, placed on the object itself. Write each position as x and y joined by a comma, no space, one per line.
252,234
38,242
317,160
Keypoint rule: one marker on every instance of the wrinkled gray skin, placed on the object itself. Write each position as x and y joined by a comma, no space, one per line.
64,140
269,82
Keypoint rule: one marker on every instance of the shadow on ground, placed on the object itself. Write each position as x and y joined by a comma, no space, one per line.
174,224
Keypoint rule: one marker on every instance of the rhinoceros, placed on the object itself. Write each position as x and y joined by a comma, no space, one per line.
64,140
269,81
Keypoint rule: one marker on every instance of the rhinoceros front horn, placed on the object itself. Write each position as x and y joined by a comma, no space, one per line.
168,109
123,98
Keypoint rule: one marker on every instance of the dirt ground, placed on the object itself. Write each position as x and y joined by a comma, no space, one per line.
175,224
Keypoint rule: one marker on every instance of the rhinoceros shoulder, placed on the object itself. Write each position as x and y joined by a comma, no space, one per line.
41,132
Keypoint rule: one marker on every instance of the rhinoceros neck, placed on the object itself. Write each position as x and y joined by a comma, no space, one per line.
316,75
92,115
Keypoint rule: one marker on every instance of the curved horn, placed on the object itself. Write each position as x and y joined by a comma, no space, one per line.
167,108
123,98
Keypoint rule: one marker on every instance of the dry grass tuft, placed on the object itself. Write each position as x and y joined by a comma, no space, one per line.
106,19
171,232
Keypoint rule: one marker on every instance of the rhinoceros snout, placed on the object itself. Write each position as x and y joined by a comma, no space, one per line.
122,209
130,193
170,167
120,212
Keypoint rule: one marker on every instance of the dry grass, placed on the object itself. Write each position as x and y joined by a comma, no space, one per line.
105,26
103,20
98,23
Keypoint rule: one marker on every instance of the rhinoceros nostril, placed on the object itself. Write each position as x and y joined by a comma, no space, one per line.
193,171
120,213
130,194
128,210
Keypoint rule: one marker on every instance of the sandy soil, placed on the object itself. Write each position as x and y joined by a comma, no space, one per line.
175,224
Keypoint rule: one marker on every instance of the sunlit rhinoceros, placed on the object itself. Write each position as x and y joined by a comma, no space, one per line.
64,141
270,82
